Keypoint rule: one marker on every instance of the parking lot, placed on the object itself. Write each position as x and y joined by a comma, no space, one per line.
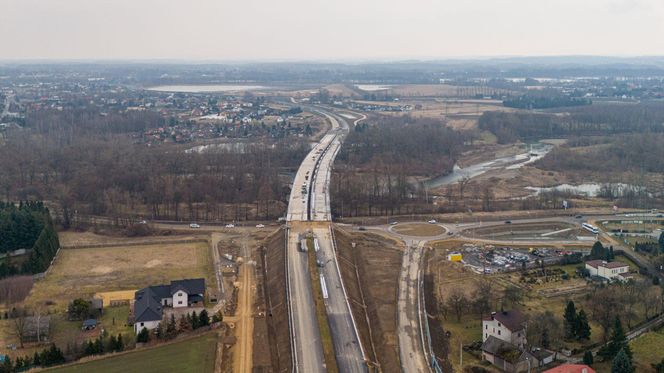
493,259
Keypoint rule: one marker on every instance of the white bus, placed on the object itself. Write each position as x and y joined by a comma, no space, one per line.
590,228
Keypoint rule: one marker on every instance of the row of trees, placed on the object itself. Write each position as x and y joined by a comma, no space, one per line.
46,358
595,120
530,101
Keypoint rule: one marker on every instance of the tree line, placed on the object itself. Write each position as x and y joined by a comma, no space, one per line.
594,120
109,175
27,226
374,169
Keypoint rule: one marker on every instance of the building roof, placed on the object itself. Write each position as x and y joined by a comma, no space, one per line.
147,301
605,264
147,305
190,286
571,368
502,349
513,320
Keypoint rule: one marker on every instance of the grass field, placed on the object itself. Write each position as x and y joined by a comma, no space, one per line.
425,230
83,272
193,355
647,350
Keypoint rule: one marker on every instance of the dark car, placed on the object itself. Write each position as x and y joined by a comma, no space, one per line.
508,222
579,216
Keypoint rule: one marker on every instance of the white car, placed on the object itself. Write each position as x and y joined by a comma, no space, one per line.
230,225
394,223
260,226
194,225
432,221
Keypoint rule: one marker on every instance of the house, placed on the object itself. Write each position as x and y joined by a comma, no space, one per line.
608,270
149,302
507,356
508,326
571,368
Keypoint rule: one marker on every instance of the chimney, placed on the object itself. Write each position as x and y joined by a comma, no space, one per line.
492,315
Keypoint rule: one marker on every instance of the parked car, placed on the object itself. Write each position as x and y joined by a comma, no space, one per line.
194,225
362,229
260,226
579,216
394,223
508,222
432,221
230,225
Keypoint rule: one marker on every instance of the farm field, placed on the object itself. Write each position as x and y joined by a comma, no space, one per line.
83,272
192,355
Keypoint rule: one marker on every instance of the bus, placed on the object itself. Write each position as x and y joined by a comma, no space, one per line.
590,228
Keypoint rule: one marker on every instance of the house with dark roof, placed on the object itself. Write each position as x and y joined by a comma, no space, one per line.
508,326
149,302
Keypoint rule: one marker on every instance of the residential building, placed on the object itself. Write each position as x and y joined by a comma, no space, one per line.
507,356
149,302
508,326
608,270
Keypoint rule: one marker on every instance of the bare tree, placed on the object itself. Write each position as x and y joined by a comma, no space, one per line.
457,302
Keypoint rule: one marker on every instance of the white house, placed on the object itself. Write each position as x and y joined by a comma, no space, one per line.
608,270
508,326
149,302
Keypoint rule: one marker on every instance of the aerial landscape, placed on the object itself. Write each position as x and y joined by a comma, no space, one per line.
332,187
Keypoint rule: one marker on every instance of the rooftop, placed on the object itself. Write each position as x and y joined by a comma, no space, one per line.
513,320
605,264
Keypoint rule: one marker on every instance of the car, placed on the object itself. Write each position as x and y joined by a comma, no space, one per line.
660,216
142,222
450,233
194,225
579,216
260,226
432,221
230,225
508,222
394,223
362,229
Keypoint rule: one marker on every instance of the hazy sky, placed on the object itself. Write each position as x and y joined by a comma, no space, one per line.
327,29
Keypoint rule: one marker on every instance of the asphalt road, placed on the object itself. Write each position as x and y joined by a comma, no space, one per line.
308,347
347,347
309,201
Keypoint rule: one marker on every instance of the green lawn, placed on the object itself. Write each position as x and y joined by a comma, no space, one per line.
193,355
647,348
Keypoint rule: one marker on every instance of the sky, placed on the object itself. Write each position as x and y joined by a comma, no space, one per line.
326,30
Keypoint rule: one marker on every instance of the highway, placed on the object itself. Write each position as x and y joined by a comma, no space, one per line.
309,210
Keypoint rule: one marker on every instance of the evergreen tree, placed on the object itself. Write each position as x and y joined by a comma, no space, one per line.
35,359
545,340
583,327
89,349
171,328
588,358
597,251
661,242
119,343
112,344
7,366
204,318
184,324
570,319
622,363
194,321
143,336
99,346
